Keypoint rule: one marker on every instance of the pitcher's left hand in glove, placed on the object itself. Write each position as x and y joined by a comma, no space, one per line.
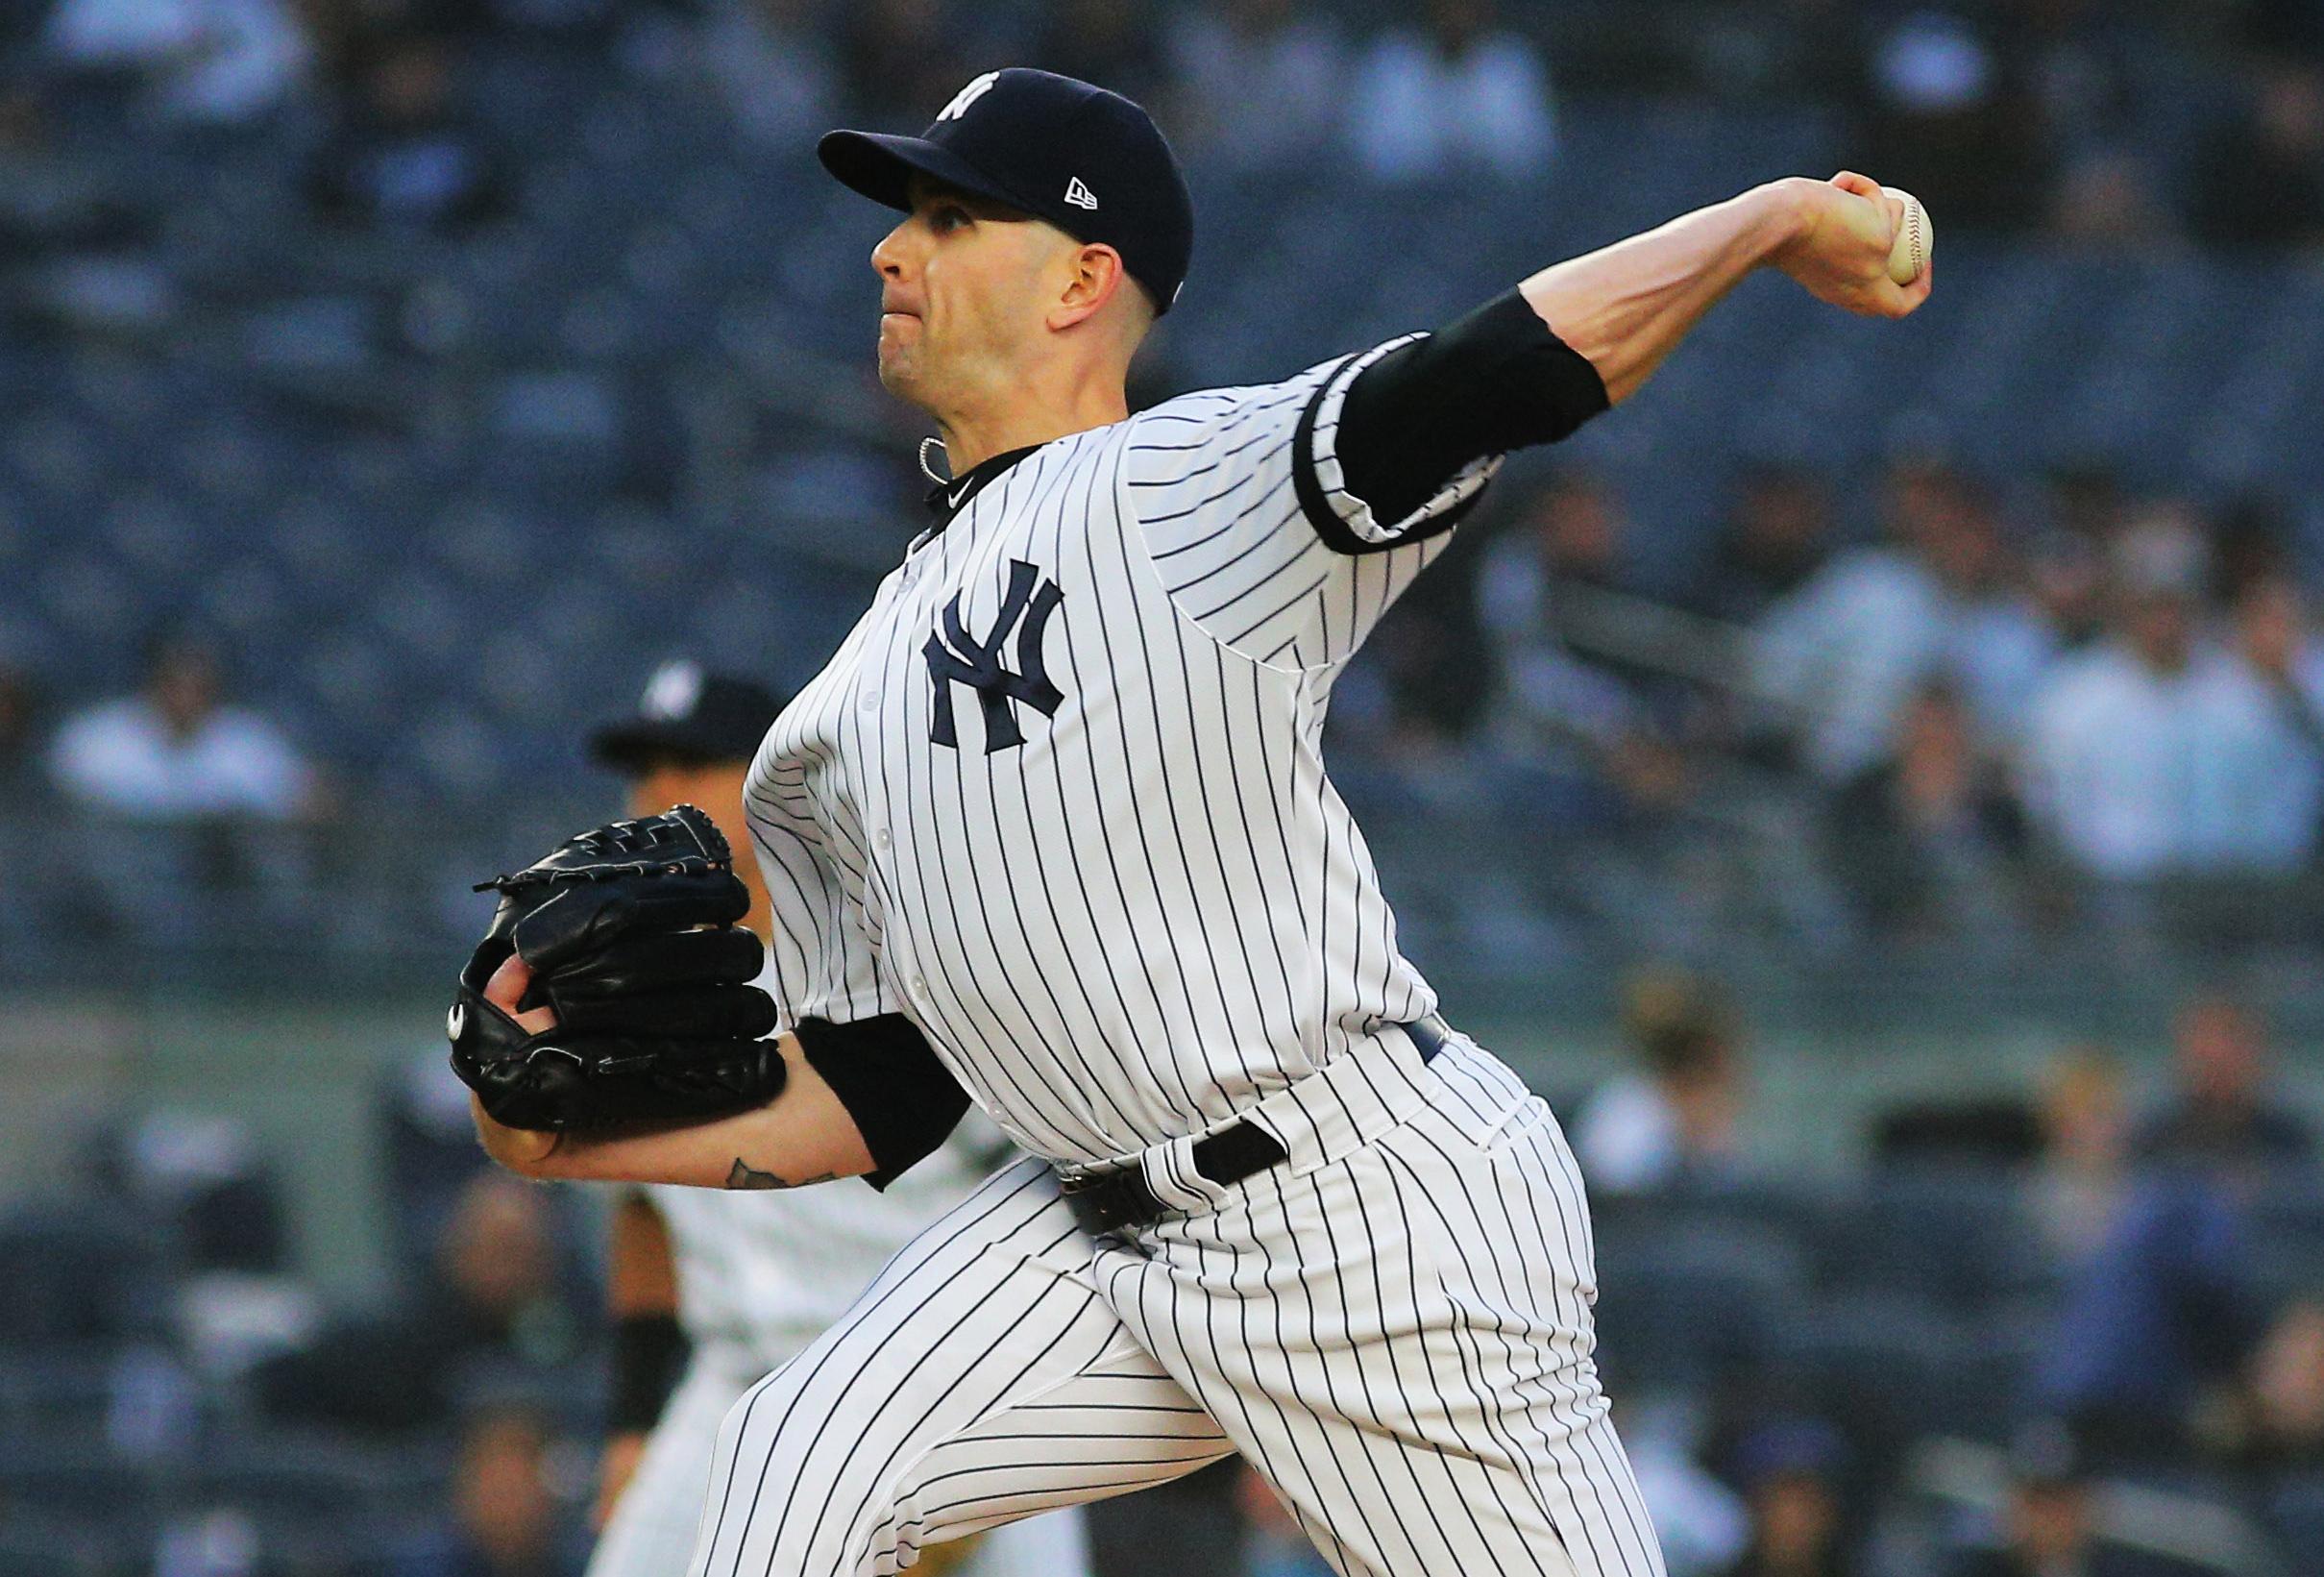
629,933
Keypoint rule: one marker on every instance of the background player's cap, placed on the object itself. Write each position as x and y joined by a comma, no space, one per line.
690,716
1089,162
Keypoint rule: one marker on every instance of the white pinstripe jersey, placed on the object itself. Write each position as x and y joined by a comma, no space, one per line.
1059,797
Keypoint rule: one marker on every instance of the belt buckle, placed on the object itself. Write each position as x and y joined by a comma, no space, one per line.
1107,1204
1088,1216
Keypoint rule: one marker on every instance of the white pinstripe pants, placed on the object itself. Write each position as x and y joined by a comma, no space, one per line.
1393,1325
654,1521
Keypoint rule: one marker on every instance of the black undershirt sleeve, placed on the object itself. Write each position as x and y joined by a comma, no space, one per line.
1493,381
905,1101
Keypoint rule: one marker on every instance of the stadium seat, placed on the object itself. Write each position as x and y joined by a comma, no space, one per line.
46,1546
1681,1303
294,1476
81,1275
2295,1511
1887,1363
49,1391
1955,1239
77,1480
2287,1233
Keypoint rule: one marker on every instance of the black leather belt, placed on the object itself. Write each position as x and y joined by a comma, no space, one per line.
1119,1201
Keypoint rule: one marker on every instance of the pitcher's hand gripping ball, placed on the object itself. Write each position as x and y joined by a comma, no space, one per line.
1916,238
630,932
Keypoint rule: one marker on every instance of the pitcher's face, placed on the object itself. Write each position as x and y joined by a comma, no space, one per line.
964,292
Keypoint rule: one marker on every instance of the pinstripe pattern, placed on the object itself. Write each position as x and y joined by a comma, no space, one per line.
1394,1328
1072,920
1115,887
654,1524
1401,1340
1212,476
760,1277
980,1379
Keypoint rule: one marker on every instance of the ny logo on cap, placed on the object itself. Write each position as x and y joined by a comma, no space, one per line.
957,657
1081,196
968,95
673,692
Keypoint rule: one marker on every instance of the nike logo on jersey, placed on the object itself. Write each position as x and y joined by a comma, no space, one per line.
1081,196
957,657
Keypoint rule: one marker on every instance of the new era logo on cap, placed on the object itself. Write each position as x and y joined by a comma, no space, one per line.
1081,196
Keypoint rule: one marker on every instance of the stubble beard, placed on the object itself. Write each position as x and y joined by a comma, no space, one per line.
899,373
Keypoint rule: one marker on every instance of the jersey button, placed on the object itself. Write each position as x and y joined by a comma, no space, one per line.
881,841
870,701
920,986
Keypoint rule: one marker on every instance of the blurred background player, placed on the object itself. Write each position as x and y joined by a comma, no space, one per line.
1671,1119
503,1521
743,1280
2046,1526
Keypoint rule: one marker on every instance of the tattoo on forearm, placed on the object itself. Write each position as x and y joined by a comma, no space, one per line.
744,1175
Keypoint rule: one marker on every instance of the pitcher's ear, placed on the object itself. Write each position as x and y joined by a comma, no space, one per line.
1096,277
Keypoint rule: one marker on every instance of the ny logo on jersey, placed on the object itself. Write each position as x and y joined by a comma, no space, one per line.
955,657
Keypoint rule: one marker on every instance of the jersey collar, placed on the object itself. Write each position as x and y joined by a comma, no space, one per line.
947,499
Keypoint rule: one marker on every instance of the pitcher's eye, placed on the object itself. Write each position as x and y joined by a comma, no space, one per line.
947,217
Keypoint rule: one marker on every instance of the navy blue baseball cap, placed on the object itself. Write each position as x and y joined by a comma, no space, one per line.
690,715
1088,162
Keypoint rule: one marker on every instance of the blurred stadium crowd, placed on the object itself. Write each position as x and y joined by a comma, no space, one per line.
386,384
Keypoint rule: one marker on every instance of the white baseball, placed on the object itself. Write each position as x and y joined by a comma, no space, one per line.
1916,238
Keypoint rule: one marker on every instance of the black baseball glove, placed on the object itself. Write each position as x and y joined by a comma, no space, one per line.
630,935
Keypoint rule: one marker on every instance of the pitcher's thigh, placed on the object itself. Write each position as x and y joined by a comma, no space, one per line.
1400,1342
1501,1232
977,1381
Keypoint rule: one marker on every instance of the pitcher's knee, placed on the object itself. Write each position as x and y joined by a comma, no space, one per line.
793,1490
